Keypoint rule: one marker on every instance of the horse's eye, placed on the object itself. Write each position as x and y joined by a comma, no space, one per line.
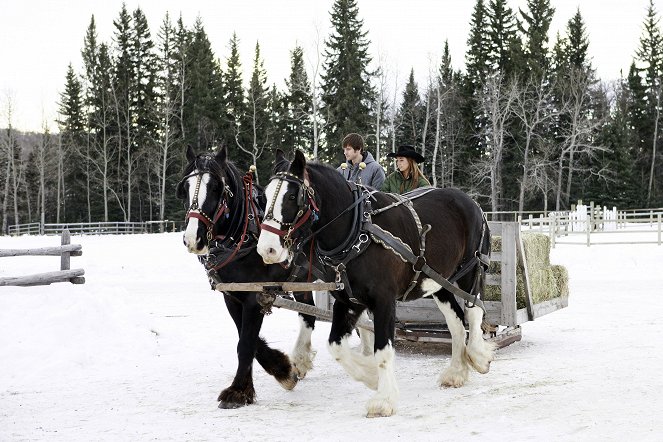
292,197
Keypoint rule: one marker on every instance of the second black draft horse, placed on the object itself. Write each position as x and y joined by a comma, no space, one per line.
223,212
376,276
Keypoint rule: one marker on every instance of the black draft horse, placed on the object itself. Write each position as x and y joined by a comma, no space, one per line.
378,277
222,214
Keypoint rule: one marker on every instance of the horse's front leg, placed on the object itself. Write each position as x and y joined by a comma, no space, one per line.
241,392
303,353
275,362
383,403
361,367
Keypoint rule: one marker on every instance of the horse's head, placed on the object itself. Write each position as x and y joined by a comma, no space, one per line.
205,192
290,204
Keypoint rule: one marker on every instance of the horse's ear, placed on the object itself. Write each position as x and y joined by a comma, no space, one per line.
299,164
222,154
190,154
279,155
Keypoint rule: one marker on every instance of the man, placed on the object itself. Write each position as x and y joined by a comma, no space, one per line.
353,149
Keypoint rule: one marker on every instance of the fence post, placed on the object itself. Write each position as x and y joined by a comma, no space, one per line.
589,223
65,257
659,228
552,231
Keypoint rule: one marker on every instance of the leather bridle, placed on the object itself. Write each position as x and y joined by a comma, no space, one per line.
194,211
306,207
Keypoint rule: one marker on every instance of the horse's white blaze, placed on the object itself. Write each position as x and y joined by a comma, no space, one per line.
384,401
361,367
479,351
191,233
429,287
269,244
303,354
456,374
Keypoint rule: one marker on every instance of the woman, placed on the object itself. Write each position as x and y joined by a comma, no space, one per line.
408,176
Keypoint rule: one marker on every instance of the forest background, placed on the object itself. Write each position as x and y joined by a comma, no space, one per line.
525,125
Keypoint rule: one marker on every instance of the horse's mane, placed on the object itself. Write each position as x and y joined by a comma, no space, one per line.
324,176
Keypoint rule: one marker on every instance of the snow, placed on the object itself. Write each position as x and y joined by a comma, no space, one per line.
142,349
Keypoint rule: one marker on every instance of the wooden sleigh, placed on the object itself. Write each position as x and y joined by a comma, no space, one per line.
509,305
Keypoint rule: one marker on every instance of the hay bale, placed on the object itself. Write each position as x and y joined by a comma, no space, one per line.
546,281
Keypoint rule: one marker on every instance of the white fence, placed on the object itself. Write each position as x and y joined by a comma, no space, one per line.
98,228
588,225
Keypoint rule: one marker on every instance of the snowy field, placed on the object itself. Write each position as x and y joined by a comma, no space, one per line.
142,349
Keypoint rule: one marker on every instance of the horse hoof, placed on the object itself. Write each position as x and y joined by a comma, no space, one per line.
482,369
234,398
289,382
230,405
379,409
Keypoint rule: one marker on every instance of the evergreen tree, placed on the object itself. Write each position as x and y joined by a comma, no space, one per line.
298,105
169,142
410,115
649,60
346,87
503,42
537,19
257,121
203,93
236,107
72,123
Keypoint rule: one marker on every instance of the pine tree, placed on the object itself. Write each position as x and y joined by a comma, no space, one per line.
410,115
649,59
72,123
298,105
236,107
169,141
537,19
257,118
503,41
346,88
203,91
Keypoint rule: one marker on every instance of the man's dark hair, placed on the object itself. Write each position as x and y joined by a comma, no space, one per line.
353,140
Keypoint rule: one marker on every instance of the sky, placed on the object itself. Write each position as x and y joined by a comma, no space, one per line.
142,349
39,38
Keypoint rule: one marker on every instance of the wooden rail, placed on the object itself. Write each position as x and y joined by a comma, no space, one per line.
66,250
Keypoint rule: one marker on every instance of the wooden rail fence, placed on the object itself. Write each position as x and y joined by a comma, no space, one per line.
66,250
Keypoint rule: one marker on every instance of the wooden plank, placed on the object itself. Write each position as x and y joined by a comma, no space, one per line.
508,274
284,286
545,307
72,249
65,258
495,228
45,278
522,263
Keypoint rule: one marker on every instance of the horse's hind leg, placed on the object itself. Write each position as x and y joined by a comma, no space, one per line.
303,353
360,367
457,373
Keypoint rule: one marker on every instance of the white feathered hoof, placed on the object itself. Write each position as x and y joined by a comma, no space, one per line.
379,407
479,357
453,377
302,363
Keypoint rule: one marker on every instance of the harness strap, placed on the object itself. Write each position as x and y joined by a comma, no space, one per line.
410,257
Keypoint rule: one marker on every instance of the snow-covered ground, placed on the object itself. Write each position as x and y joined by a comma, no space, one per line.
142,349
